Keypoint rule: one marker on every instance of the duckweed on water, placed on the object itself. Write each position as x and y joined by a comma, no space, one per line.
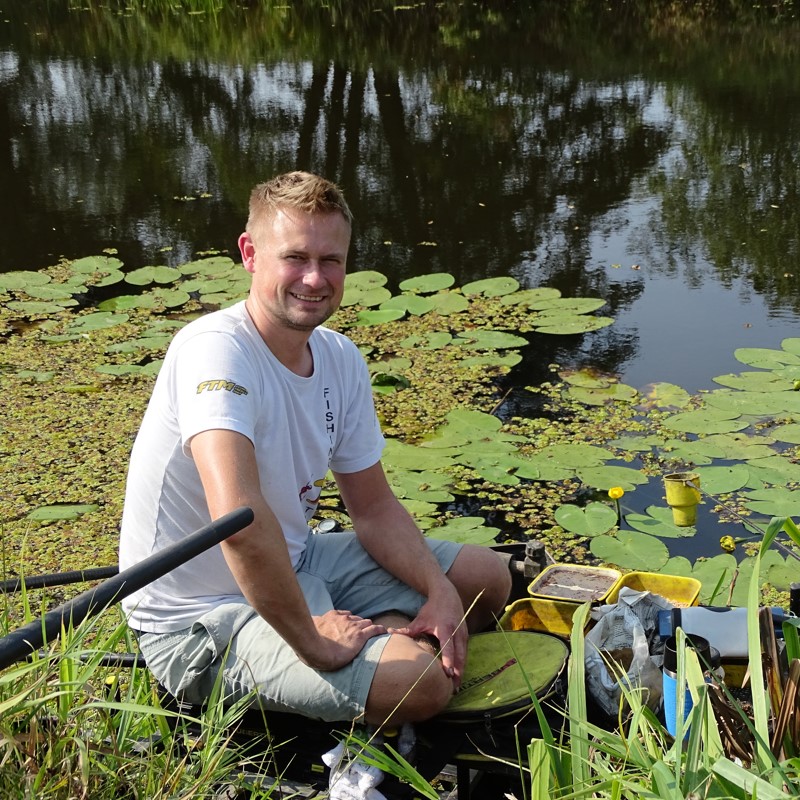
81,354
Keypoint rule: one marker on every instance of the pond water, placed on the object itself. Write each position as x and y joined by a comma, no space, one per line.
648,160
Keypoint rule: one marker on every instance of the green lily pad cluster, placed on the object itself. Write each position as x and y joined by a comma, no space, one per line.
80,368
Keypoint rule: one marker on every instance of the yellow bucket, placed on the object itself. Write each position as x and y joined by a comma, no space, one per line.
683,496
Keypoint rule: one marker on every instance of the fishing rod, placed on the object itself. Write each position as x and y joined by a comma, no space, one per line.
19,644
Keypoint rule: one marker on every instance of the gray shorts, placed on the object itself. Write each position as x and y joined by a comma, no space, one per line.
232,643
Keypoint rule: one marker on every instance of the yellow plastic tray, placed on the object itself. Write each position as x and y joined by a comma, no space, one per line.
680,591
539,614
575,583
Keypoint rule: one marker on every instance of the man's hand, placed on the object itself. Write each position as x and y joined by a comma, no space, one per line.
442,616
342,636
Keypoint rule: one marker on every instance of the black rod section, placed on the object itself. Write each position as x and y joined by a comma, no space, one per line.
22,642
13,585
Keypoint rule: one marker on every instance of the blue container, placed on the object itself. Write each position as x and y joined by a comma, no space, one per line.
670,677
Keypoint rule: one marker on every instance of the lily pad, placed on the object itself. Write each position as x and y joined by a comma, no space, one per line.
147,275
428,341
91,264
52,291
425,284
98,321
664,395
378,317
765,358
465,530
61,511
491,287
616,392
776,501
412,303
489,340
631,550
594,519
775,470
22,281
447,303
658,522
532,298
570,305
126,302
571,324
34,308
753,382
723,480
491,360
606,477
789,433
707,420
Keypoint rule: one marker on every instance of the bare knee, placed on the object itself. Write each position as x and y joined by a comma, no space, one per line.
409,684
483,581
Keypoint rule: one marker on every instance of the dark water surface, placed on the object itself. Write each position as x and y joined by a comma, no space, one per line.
613,152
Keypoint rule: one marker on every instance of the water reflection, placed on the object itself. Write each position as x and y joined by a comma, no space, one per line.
536,142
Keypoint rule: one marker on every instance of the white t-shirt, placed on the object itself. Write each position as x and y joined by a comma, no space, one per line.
218,373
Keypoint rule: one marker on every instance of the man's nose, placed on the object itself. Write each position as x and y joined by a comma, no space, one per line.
313,275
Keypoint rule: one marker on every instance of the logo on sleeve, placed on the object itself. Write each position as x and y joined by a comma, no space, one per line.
220,385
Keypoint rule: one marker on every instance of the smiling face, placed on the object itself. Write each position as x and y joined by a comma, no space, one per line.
298,262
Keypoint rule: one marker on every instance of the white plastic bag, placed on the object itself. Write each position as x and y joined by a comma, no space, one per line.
621,627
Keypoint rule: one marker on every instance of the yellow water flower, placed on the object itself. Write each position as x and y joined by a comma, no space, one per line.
727,544
615,492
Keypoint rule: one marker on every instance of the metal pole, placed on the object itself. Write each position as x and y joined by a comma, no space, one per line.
22,642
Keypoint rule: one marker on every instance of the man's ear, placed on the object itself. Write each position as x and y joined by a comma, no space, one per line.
248,251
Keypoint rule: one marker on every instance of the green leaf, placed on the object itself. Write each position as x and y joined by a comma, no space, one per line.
22,281
754,382
567,325
126,302
723,480
147,275
447,303
61,511
596,518
488,340
631,550
707,420
658,522
569,306
775,470
428,341
491,360
605,477
424,284
764,358
465,530
98,321
378,317
616,392
532,298
777,501
491,287
411,303
576,455
34,308
91,264
789,433
665,395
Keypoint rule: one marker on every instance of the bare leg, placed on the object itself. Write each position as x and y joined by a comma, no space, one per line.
409,684
479,572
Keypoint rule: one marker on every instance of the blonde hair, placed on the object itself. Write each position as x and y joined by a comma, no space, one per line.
302,191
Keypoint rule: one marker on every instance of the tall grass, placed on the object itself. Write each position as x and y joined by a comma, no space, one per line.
638,758
73,728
